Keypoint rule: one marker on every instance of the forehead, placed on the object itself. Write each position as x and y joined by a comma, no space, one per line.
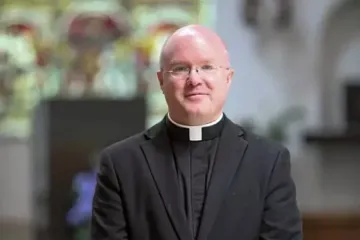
192,51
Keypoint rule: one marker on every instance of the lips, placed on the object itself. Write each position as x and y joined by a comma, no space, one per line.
195,94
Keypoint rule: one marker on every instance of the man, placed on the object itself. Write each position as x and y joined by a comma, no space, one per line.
195,175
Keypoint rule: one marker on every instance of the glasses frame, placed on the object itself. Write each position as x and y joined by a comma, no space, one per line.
197,69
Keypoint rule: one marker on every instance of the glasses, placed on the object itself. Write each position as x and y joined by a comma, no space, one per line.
183,71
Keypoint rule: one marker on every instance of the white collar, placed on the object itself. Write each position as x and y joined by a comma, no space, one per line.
195,132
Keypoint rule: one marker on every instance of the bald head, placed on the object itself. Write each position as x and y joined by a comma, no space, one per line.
194,97
193,35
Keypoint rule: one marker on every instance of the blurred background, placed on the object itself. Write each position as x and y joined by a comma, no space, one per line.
78,75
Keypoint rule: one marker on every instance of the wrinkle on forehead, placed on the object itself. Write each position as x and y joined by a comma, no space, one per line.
194,33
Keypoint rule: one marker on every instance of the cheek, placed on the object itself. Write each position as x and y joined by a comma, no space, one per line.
213,85
175,89
215,82
218,90
177,86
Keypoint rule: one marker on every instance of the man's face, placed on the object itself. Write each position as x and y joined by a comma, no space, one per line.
195,79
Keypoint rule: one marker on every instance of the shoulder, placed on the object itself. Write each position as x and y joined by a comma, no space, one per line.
266,146
265,157
258,144
262,151
126,145
131,145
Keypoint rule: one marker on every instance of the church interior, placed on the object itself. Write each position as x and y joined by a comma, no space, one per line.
73,71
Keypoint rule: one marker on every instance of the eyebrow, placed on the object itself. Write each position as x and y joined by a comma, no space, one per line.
176,62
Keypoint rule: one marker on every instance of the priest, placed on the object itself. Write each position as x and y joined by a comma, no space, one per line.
195,175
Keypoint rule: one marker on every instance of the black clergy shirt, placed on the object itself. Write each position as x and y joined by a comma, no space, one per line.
194,150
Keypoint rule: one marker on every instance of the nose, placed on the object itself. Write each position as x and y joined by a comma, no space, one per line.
194,78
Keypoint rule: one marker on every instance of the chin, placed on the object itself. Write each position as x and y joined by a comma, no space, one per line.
196,109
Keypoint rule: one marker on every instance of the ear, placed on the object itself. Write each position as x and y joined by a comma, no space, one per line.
160,78
229,76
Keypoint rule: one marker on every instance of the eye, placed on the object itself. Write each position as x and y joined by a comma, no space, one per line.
180,69
208,67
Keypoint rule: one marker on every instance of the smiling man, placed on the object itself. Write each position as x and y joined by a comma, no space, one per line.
196,174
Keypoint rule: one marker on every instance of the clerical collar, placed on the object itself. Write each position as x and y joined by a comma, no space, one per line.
194,133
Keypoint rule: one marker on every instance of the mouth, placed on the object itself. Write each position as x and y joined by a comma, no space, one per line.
195,94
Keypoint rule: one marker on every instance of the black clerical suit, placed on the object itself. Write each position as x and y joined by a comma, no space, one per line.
226,184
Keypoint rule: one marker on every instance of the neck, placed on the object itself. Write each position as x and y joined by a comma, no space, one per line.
201,124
